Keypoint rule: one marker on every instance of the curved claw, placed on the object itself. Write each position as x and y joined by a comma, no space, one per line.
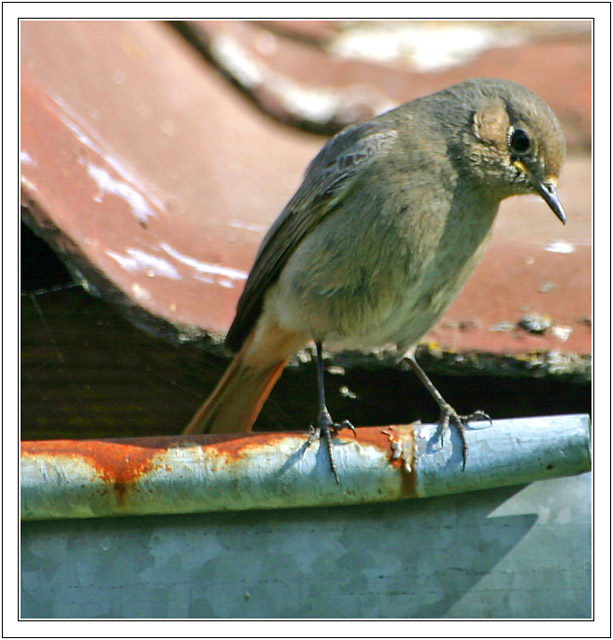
345,424
325,429
449,416
477,415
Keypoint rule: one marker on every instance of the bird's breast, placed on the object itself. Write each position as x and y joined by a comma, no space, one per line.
364,281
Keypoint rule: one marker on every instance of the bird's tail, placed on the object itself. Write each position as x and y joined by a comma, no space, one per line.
236,401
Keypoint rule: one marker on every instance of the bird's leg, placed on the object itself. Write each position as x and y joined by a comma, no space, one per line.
326,427
449,416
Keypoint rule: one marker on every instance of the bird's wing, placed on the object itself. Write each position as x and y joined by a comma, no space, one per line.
327,182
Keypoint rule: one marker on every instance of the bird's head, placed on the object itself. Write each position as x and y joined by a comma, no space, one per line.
514,141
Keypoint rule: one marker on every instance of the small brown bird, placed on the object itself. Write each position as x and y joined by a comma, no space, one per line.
391,219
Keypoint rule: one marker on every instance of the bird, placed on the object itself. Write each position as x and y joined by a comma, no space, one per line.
391,218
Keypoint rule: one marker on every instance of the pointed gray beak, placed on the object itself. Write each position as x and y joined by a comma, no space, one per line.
548,192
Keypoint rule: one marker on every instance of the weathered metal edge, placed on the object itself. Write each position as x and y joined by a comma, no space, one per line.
189,474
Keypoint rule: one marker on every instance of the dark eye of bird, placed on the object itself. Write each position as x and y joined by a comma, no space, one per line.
519,141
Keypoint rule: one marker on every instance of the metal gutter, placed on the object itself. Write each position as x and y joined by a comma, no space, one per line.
188,474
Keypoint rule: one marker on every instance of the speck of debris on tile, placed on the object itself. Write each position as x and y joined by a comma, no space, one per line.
535,323
504,326
561,331
546,287
460,325
467,325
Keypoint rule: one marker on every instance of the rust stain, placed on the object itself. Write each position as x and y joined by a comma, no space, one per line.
373,436
398,442
401,443
121,462
408,470
118,463
233,447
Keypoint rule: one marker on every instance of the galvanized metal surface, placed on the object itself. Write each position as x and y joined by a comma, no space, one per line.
515,552
187,474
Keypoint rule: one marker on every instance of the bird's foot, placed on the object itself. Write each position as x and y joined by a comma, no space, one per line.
326,428
450,417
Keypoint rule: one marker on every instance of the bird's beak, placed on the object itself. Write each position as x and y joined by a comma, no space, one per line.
547,191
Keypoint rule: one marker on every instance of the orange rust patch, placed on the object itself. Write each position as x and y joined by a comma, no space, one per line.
407,469
234,446
404,460
374,436
118,463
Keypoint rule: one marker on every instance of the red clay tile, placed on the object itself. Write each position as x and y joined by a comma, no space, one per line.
318,31
155,169
370,86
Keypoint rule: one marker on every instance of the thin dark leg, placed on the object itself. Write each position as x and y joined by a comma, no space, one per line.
326,427
448,414
320,378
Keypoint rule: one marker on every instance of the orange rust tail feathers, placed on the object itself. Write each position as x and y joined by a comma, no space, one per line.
236,401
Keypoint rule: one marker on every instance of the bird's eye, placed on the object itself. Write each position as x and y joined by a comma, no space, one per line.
519,141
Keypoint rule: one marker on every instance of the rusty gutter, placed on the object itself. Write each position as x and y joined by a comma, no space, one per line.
189,474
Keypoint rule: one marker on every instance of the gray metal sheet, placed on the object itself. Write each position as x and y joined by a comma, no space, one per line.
502,553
